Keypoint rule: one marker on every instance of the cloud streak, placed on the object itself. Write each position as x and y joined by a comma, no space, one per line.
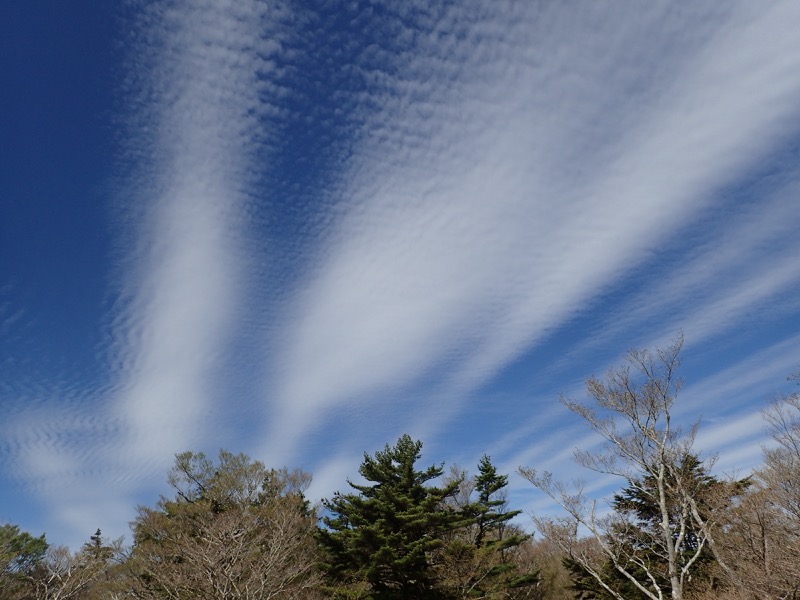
342,221
518,171
195,122
206,64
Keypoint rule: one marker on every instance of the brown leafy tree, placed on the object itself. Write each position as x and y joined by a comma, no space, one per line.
546,559
234,530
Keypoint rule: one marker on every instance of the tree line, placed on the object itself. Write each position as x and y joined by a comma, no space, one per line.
233,528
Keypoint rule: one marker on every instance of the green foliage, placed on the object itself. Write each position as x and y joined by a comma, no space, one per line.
380,538
21,559
490,518
20,552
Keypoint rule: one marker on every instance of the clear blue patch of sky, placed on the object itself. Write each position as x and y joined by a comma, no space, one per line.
58,58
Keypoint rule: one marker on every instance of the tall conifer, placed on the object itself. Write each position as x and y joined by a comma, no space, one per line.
381,537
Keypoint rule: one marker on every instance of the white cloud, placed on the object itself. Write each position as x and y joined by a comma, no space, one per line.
204,79
513,174
504,167
194,126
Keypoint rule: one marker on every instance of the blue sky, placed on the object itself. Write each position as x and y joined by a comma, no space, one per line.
299,230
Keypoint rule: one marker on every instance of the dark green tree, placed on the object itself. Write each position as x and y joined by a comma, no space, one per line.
20,552
21,559
490,514
98,548
379,541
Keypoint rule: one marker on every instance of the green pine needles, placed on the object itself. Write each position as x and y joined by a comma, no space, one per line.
396,536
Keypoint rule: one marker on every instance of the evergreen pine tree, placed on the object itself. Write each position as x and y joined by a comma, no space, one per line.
381,537
490,519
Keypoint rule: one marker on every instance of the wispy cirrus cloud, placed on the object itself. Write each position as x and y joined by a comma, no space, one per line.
195,124
206,66
524,161
352,219
723,275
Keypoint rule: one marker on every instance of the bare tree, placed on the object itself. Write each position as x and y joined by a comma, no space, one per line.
31,569
631,410
546,559
781,470
762,534
483,558
67,575
236,530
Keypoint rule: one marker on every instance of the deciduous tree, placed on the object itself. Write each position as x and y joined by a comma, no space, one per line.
643,517
68,575
631,409
234,530
762,531
480,558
